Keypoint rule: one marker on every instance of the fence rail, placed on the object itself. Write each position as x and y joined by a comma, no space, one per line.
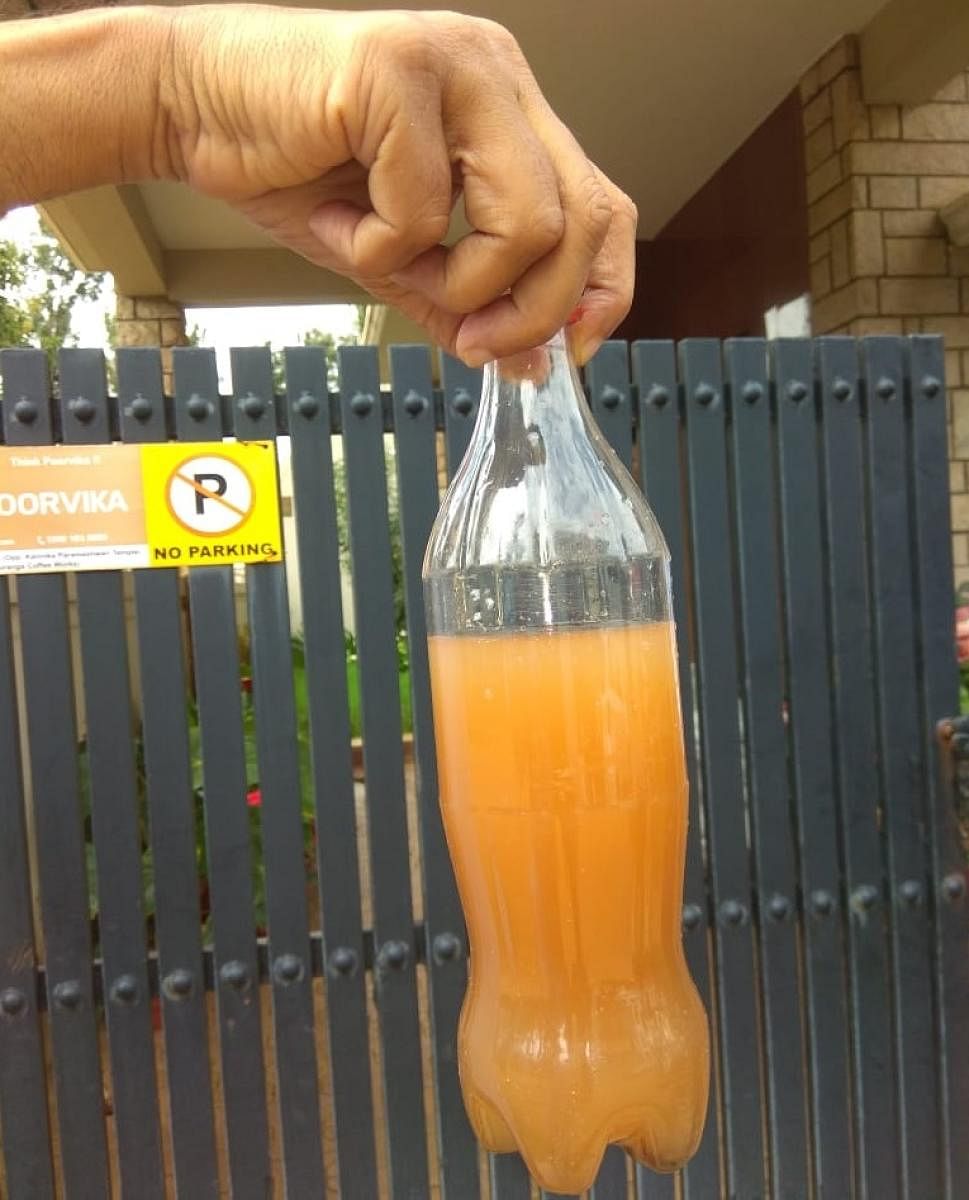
204,997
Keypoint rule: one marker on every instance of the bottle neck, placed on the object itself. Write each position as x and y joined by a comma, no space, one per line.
537,390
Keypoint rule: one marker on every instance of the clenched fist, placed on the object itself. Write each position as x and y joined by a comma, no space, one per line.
348,137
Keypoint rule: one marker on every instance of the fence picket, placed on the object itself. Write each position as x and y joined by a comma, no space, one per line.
663,475
849,614
318,552
281,818
444,932
902,753
812,765
171,819
58,826
115,815
754,493
23,1081
394,976
724,810
939,700
215,652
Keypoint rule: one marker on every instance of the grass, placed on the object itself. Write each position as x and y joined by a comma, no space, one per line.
353,692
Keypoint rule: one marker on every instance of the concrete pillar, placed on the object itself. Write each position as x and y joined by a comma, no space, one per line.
881,262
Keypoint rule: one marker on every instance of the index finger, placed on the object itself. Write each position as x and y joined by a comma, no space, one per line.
512,201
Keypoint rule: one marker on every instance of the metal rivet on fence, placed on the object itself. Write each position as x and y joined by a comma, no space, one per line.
67,995
910,892
931,386
288,968
362,404
705,395
414,403
611,397
253,406
657,396
197,408
82,409
797,391
462,403
732,912
446,947
954,887
822,903
752,392
25,411
124,990
141,408
692,916
885,388
307,406
393,955
778,906
864,897
12,1002
178,984
343,961
235,974
842,390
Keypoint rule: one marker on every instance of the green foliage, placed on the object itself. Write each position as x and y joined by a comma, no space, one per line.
13,319
326,341
39,289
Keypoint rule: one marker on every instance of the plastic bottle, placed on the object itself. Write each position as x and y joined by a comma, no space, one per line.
563,788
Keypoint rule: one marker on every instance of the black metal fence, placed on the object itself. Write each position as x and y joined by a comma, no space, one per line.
803,491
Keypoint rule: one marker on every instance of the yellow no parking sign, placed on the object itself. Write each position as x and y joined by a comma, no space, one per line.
211,503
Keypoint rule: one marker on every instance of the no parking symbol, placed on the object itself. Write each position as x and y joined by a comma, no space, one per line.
210,495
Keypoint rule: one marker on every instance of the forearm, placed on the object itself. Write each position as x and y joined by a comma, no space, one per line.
79,102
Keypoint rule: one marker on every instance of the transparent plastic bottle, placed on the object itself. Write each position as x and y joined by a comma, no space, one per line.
563,788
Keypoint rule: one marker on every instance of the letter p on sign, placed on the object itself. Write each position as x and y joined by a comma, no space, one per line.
210,495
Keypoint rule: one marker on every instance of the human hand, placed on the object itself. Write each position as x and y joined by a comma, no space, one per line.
349,137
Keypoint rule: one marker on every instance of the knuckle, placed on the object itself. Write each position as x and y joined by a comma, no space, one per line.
499,36
430,229
544,228
595,211
377,261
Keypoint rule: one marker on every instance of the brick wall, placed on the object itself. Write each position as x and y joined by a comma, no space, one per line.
151,321
877,176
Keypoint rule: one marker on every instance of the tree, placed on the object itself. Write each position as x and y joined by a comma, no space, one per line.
39,290
13,321
326,341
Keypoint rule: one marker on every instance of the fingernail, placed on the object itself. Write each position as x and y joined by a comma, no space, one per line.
582,350
475,357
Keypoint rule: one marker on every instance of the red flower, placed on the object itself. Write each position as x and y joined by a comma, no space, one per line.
246,683
254,798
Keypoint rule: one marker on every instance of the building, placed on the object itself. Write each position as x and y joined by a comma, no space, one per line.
776,149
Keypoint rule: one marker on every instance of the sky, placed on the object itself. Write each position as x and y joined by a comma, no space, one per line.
221,327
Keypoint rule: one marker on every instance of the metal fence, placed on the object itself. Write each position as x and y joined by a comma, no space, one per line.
803,490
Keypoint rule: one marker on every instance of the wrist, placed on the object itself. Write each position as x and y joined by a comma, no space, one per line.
79,102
